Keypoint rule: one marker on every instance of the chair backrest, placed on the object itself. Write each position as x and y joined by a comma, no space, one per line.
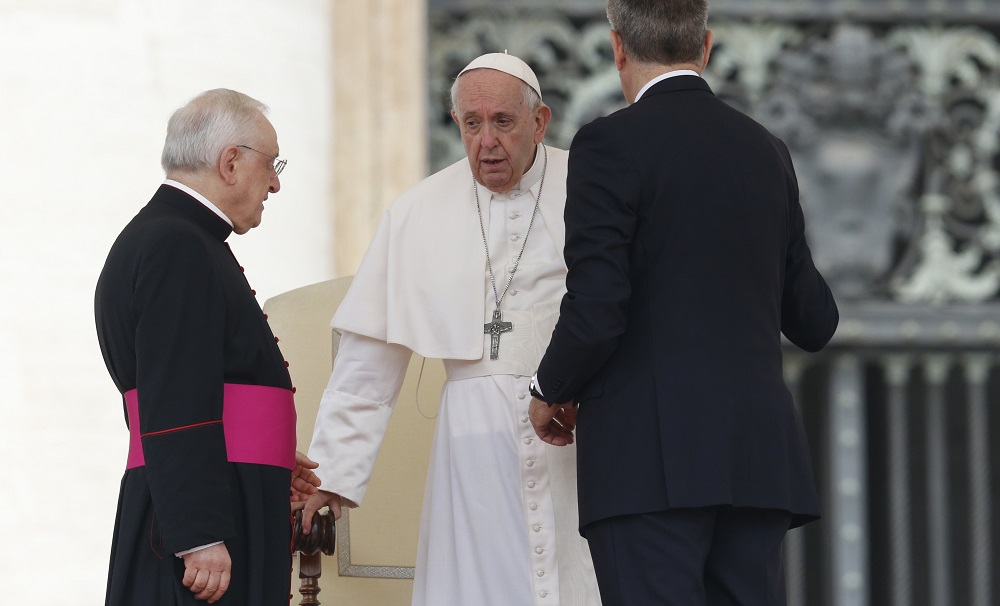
376,543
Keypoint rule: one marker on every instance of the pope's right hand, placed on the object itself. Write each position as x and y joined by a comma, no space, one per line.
318,501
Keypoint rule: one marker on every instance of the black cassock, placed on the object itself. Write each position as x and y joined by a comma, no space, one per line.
176,320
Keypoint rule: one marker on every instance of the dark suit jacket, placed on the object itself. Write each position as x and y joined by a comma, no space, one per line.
687,260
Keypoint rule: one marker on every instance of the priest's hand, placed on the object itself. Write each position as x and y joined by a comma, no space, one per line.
304,480
318,501
206,572
553,424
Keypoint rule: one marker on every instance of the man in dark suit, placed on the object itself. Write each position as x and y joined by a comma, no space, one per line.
687,261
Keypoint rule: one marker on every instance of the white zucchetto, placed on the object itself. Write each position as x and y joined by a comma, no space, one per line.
508,64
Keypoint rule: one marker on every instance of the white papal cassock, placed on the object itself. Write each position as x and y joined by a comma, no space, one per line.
499,522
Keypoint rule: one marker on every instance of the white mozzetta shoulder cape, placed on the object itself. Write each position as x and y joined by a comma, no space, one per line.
420,283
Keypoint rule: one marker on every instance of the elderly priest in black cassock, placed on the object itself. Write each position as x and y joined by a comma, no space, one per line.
203,513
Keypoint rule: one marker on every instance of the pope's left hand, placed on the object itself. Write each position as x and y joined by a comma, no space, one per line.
553,424
304,480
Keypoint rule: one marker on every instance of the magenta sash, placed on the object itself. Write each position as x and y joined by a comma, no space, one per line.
258,421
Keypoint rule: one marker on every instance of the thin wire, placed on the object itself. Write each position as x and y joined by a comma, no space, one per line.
420,378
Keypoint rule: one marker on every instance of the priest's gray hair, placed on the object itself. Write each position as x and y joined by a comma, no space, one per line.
664,32
531,98
198,132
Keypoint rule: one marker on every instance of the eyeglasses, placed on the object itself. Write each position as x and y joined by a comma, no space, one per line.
279,162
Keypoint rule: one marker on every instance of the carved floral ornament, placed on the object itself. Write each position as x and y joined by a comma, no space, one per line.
894,131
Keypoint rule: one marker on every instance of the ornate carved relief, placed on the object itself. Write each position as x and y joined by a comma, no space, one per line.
841,102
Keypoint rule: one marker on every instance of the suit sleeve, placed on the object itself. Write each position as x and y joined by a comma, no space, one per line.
180,338
602,195
809,314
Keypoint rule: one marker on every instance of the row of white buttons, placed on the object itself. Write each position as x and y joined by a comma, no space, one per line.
528,438
514,215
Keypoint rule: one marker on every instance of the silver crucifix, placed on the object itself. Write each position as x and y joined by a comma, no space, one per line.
495,329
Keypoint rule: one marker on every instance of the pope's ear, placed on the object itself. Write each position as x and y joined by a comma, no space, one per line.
543,113
227,164
454,117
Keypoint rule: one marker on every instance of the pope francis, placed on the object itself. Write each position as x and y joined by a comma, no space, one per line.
467,267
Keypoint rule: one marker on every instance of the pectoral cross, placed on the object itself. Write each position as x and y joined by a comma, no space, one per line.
495,329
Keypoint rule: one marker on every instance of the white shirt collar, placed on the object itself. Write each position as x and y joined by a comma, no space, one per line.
530,177
662,77
533,174
200,198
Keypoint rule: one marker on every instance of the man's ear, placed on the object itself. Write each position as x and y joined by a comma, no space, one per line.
709,40
227,164
618,48
543,113
454,117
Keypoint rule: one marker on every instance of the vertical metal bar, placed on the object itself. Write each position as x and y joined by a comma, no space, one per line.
849,521
936,369
977,368
794,548
897,375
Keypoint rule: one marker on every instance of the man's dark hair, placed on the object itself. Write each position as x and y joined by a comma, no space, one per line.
666,32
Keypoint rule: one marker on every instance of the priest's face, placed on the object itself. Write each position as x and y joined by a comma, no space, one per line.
257,179
499,130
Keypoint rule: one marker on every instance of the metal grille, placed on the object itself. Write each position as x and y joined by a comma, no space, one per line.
901,424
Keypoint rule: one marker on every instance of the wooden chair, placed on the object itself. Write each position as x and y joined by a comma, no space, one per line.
376,543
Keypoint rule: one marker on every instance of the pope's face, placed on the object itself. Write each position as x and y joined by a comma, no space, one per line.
258,179
500,132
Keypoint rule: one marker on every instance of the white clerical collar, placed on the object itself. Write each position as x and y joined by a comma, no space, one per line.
200,198
662,77
531,177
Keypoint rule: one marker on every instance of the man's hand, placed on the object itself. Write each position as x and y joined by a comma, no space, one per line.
206,572
318,501
304,480
553,424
